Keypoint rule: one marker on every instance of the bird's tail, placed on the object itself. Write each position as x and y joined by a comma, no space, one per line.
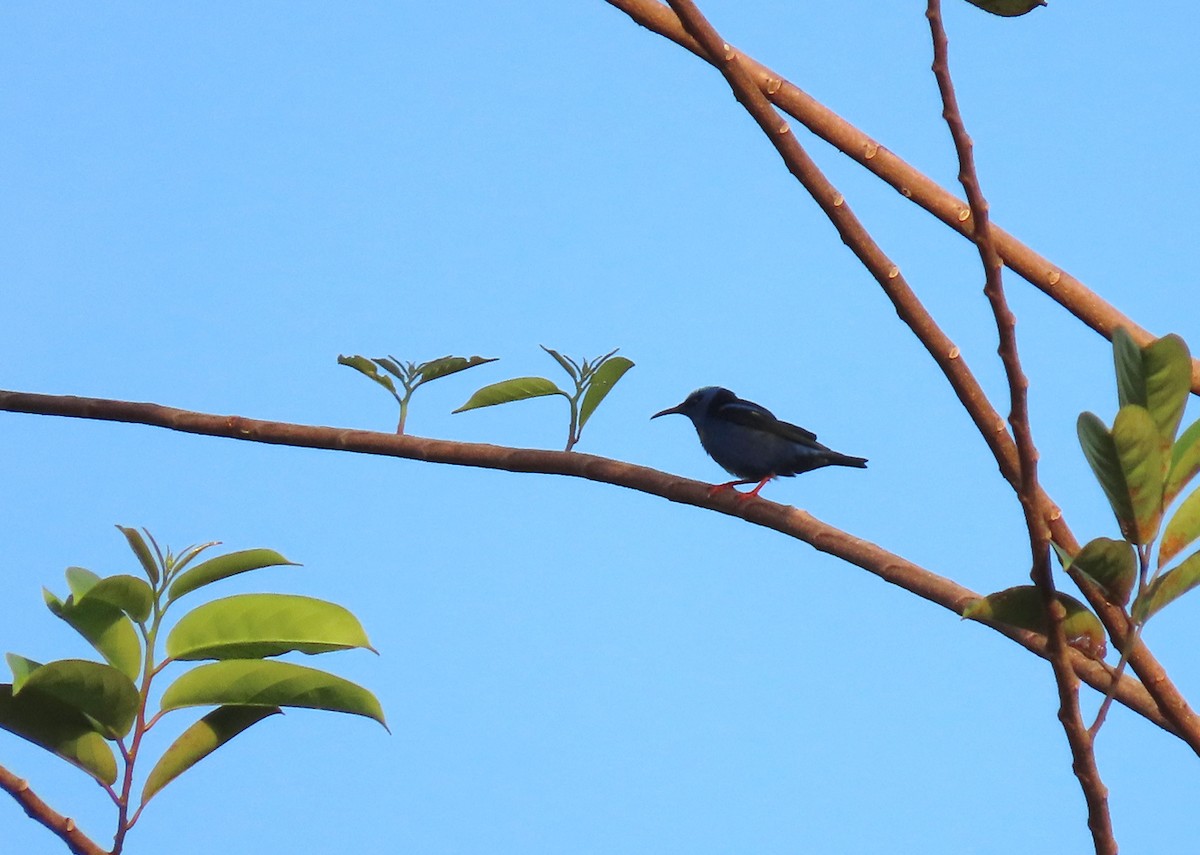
836,459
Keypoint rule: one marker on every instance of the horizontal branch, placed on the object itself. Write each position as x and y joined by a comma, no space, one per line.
911,183
78,842
785,519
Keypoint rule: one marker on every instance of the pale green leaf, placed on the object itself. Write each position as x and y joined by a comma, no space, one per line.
367,368
108,629
198,741
224,566
249,626
1022,607
127,593
506,391
269,683
1168,587
1139,449
60,729
1181,530
1185,462
21,669
1111,564
602,382
80,580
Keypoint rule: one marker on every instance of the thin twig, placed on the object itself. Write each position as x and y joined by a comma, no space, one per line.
912,184
1069,714
782,518
944,352
62,826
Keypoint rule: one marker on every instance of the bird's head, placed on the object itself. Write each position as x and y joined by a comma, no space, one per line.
700,403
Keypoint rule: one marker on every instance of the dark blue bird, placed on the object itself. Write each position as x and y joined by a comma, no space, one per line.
749,442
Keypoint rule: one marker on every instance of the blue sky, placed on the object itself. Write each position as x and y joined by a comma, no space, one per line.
203,204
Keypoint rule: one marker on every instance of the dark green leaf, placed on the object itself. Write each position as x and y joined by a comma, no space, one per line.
602,382
1167,588
567,365
224,566
1101,453
1182,529
1111,564
447,365
367,368
1140,449
1185,462
1022,607
1168,371
269,683
201,739
102,693
127,593
1131,375
517,389
250,626
58,728
394,367
108,629
1007,8
138,545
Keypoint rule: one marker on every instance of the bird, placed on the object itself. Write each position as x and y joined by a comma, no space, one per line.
747,440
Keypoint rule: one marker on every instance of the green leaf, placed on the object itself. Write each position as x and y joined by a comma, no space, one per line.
367,368
251,626
21,669
1168,370
567,365
602,382
138,545
80,580
224,566
269,683
1022,607
1182,529
517,389
394,367
201,739
1185,462
1101,453
1167,588
437,368
1139,450
1131,375
58,728
102,693
127,593
1111,564
108,629
1008,8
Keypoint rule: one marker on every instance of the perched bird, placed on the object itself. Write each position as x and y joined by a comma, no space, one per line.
748,441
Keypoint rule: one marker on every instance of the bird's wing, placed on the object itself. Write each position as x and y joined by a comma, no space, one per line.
752,415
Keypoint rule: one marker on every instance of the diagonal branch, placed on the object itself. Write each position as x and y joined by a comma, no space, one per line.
944,352
1059,285
787,520
1078,736
64,827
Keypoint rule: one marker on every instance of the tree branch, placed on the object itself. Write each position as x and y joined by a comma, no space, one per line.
912,184
787,520
64,827
1078,736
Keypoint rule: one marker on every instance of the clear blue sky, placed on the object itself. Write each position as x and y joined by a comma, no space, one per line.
203,204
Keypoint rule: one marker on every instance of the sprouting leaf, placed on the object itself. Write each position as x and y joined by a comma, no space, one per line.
201,739
186,557
1101,453
602,382
367,368
392,366
250,626
517,389
138,545
447,365
106,628
1022,607
224,566
102,693
1139,450
269,683
1181,530
1167,588
58,728
1007,8
1185,462
1111,564
127,593
568,365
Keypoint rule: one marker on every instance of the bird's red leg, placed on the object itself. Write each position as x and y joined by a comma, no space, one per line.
729,485
754,492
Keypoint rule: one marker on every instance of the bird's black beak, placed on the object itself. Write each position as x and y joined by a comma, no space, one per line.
678,408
